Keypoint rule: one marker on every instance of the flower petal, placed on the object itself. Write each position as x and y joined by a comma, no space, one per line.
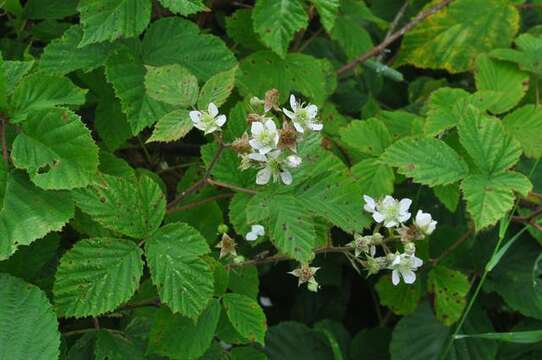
212,109
256,128
316,126
286,177
288,113
270,125
298,127
370,203
293,102
395,277
263,176
251,236
312,110
404,205
258,229
409,276
378,217
195,116
220,120
257,157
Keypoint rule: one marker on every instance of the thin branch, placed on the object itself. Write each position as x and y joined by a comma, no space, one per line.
3,140
455,245
96,323
230,186
393,25
199,203
528,6
529,217
153,302
396,35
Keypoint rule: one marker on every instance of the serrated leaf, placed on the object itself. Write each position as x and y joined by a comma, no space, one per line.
503,81
428,161
525,125
374,178
239,27
349,29
443,108
62,55
450,288
172,126
264,70
245,281
453,37
327,10
184,280
40,91
111,123
184,7
179,337
370,137
55,9
489,198
448,195
29,324
56,149
276,21
14,71
204,55
217,89
290,228
29,213
402,299
130,206
126,72
246,316
484,139
371,344
527,55
96,276
172,84
108,20
229,161
115,346
293,340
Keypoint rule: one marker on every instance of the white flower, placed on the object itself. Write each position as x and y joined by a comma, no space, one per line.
303,117
404,265
265,301
275,166
425,224
265,136
208,121
256,231
389,211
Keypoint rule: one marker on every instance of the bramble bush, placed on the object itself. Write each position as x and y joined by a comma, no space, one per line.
270,179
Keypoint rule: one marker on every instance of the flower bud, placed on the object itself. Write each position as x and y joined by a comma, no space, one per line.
271,100
410,248
288,137
241,145
255,101
222,229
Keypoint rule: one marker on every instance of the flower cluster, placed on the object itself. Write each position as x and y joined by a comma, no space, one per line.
392,214
271,149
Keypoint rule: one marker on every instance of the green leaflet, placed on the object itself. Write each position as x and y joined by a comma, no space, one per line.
370,137
108,20
172,84
402,299
96,276
111,345
63,55
327,10
525,125
428,161
184,7
14,71
184,280
55,9
29,213
373,177
276,21
217,89
450,288
29,324
293,340
452,38
172,126
131,206
204,55
246,316
239,27
39,91
527,55
176,336
56,149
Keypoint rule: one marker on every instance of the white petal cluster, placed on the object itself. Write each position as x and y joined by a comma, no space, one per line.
275,166
404,265
389,211
255,232
303,117
265,136
208,121
425,223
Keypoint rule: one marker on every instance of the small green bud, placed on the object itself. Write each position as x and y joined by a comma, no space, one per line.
223,229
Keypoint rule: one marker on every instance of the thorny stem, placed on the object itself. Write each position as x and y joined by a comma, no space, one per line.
145,151
230,186
200,202
396,35
452,247
393,25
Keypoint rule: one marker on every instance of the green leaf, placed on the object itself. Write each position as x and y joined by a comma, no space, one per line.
96,276
56,149
484,139
245,281
402,299
111,123
171,127
428,161
204,55
172,84
29,324
108,20
39,91
110,345
448,195
217,89
222,171
327,10
527,55
184,7
3,85
371,344
247,353
489,198
133,207
503,81
277,21
29,213
179,337
14,71
292,340
264,70
444,109
349,29
370,137
55,9
289,226
450,288
62,55
239,27
452,38
184,280
246,316
518,337
373,177
126,72
525,125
